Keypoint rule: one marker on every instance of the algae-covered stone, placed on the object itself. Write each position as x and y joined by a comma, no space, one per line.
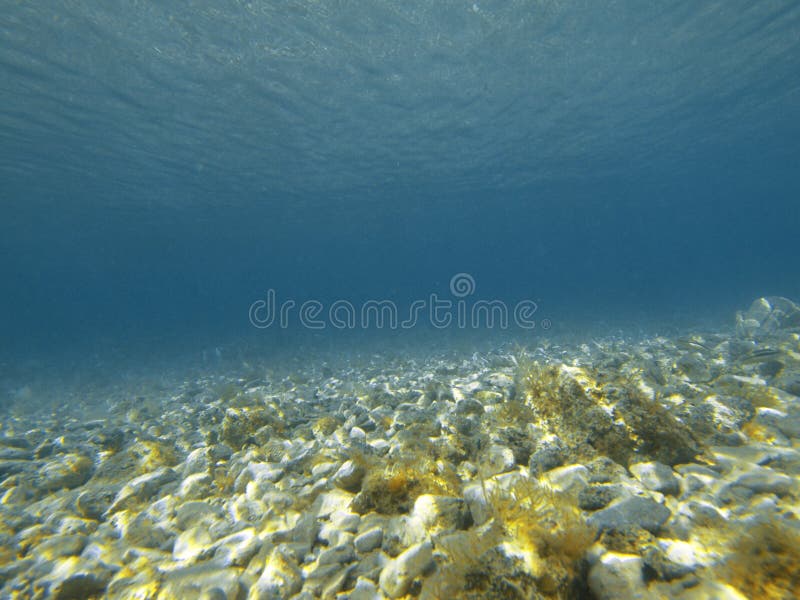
192,581
280,579
76,577
93,503
595,497
142,488
549,454
67,471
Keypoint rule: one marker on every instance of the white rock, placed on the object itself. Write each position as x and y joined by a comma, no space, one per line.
334,500
196,462
397,576
195,486
618,576
346,521
369,540
570,478
280,579
76,577
498,459
657,477
440,512
333,536
258,471
195,513
358,435
365,590
338,555
141,488
681,553
476,501
244,510
237,549
323,469
191,544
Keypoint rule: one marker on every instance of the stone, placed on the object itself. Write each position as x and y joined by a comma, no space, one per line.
441,513
369,540
196,462
549,454
358,435
469,406
142,488
498,459
144,532
635,510
68,471
657,477
346,521
194,580
192,544
476,502
195,486
617,576
338,555
93,503
280,580
196,513
76,577
59,546
595,497
260,473
237,549
398,574
349,476
571,479
763,480
365,590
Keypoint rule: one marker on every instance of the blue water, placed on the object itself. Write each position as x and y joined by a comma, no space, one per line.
163,165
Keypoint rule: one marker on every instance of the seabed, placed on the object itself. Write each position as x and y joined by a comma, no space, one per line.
656,468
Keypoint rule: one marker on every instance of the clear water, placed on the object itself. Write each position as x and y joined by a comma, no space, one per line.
162,166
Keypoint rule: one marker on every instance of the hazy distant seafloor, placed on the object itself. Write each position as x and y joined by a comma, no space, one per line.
661,467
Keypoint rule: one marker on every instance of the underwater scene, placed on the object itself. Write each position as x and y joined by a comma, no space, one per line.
436,299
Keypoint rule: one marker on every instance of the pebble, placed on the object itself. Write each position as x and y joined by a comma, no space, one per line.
349,476
656,477
68,471
617,576
397,576
641,512
441,513
281,578
141,488
369,540
762,480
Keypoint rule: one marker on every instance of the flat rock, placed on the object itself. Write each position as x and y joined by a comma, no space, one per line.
635,510
657,477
